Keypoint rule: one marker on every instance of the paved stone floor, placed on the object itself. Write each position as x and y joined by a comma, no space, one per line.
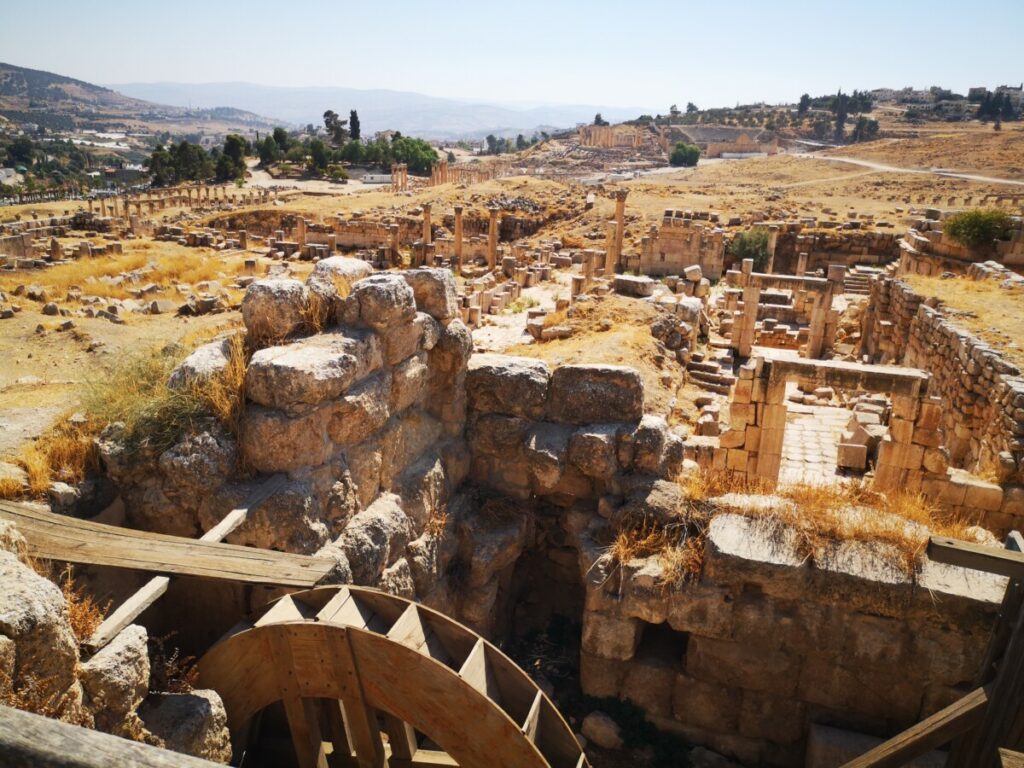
810,446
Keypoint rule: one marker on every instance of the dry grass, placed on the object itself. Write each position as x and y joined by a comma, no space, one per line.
66,452
823,515
84,613
679,547
169,671
170,264
980,307
32,694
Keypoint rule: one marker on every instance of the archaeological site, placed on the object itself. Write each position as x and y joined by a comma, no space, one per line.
684,439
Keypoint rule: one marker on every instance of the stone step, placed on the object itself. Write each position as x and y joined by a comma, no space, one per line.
717,379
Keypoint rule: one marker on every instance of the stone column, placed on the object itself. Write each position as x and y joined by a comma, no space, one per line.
458,236
751,296
492,237
801,265
103,207
773,239
427,233
620,219
611,258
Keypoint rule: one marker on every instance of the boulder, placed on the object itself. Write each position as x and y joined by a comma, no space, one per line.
193,723
198,463
116,679
363,410
274,308
603,731
386,301
661,501
491,538
34,615
203,364
581,394
375,538
435,292
335,275
515,386
592,450
306,373
271,441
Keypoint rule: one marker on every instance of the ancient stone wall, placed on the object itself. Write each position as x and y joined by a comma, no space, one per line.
847,247
766,642
680,242
982,393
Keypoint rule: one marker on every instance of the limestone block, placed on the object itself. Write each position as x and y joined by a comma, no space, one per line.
902,430
498,435
116,678
733,438
769,717
193,723
274,308
409,382
601,677
737,460
741,550
861,690
306,373
403,440
610,637
515,386
741,665
545,448
407,339
386,301
375,538
660,501
272,441
648,441
649,684
205,362
492,539
983,495
704,705
364,462
582,394
603,731
435,292
363,410
852,456
592,450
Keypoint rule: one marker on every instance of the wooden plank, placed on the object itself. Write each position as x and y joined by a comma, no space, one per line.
930,733
1011,759
360,718
32,741
237,516
425,758
302,715
980,557
963,748
284,609
533,718
127,612
56,537
474,668
401,737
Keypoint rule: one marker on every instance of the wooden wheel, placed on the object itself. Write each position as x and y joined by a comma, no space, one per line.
348,662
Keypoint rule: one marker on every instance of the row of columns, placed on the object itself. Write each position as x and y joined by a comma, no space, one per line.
399,177
175,196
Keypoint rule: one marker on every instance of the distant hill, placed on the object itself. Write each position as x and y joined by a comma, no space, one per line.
411,113
63,103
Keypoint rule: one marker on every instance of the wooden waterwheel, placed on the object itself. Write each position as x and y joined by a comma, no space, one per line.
368,679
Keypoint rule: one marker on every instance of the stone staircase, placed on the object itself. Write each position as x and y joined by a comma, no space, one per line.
713,370
858,280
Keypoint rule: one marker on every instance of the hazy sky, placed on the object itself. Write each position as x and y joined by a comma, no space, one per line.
648,53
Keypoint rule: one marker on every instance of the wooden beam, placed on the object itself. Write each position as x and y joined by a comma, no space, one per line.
127,612
980,557
1011,759
932,732
28,740
237,516
67,539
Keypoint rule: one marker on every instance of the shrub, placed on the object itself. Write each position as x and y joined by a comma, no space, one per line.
752,244
978,228
684,154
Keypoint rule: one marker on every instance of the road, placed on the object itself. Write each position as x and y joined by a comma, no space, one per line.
896,169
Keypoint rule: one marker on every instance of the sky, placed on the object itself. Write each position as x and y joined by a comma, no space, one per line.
645,53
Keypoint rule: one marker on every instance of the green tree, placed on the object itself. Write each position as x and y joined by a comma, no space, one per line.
269,151
691,108
451,157
231,163
319,155
161,167
354,130
751,244
21,150
684,154
804,105
864,130
336,127
598,120
521,142
978,228
492,144
282,139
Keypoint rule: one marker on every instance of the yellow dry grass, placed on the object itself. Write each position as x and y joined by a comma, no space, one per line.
981,307
171,264
66,452
824,514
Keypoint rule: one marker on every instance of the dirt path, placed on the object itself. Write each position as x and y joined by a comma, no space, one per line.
926,171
